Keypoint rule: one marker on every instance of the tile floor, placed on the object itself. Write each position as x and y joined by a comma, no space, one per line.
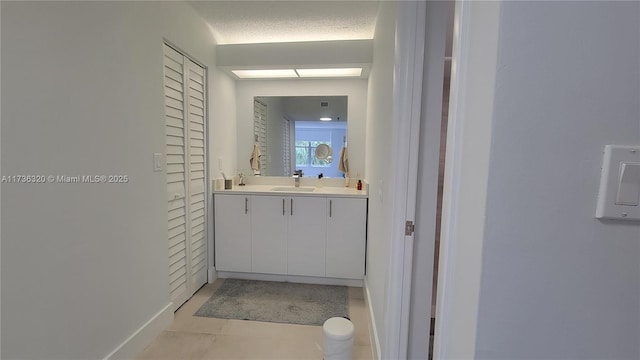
192,337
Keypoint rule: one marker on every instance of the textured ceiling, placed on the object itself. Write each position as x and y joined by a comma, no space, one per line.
247,22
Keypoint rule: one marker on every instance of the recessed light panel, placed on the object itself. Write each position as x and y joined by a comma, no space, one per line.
329,72
325,119
264,74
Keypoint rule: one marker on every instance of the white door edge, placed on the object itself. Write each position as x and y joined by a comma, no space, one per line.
437,19
408,68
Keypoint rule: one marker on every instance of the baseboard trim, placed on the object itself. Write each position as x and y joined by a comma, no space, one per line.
142,337
212,275
373,331
291,278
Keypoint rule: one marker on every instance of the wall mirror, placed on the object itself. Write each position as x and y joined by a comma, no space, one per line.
304,133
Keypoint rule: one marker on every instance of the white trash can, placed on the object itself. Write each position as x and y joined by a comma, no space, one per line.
338,339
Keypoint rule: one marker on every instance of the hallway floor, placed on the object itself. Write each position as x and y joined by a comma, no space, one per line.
192,337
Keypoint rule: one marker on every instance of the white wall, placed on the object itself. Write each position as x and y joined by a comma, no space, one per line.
222,124
222,134
85,265
0,198
356,90
379,129
554,281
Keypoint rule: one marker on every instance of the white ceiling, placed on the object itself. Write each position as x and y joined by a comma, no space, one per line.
309,108
248,22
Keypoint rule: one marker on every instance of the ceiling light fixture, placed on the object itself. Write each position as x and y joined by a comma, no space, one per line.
329,72
264,74
325,119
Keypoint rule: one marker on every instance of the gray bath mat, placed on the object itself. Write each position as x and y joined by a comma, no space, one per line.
279,302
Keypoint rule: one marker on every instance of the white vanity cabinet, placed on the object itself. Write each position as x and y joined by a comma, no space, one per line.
306,236
288,235
346,236
232,232
284,234
268,234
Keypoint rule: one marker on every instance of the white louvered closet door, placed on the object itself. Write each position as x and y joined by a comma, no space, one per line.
196,144
185,128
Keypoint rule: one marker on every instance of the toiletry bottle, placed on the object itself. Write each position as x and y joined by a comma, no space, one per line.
346,180
359,184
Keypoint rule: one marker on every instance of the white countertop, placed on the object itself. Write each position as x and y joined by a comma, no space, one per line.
288,190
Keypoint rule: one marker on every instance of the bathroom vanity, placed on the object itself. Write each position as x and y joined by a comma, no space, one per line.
313,232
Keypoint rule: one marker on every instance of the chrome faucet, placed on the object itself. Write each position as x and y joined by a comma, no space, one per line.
297,175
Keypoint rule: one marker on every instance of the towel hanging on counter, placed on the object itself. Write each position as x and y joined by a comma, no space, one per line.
255,158
343,164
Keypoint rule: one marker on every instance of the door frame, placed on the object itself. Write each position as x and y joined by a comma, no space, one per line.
473,71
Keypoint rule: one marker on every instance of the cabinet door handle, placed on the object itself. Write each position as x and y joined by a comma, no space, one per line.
282,207
330,208
246,205
292,206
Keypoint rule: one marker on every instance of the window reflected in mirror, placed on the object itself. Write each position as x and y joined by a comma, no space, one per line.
312,134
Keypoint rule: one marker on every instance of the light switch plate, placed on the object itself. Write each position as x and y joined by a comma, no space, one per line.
157,162
619,184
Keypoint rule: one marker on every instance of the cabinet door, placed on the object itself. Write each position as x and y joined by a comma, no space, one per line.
232,233
306,236
346,233
269,234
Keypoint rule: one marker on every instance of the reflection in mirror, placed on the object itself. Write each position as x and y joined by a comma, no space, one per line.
324,152
291,135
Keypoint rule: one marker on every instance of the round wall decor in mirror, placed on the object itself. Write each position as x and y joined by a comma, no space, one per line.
324,152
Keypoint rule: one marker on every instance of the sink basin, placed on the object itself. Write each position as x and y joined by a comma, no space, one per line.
293,189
